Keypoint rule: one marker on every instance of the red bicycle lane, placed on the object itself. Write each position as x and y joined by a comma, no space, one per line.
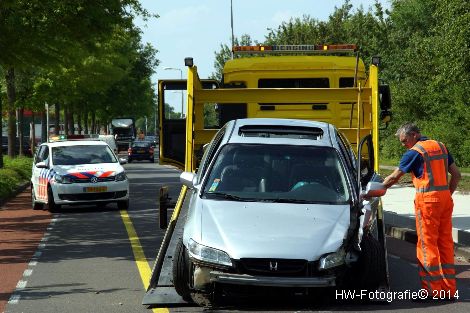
21,231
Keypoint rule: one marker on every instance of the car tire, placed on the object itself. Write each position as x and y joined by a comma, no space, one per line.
34,204
181,271
51,205
370,268
123,205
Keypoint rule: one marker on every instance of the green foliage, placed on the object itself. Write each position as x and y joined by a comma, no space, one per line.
425,50
15,172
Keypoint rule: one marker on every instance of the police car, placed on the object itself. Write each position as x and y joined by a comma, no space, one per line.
78,172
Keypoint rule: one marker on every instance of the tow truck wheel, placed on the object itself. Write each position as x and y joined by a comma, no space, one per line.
51,205
371,265
181,271
35,205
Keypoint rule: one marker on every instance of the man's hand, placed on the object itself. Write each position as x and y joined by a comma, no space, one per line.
393,178
454,177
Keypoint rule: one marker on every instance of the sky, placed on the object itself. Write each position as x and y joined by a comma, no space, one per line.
197,28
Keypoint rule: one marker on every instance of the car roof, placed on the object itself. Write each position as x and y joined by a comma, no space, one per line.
310,128
77,143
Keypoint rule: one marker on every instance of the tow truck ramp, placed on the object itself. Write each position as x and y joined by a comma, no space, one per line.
161,290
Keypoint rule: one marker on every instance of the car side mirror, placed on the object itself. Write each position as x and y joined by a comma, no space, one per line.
41,165
374,189
122,161
188,179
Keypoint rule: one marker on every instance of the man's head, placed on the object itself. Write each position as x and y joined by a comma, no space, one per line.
408,134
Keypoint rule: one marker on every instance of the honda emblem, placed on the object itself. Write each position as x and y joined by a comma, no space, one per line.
273,266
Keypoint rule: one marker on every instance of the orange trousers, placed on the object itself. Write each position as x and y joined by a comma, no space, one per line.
435,247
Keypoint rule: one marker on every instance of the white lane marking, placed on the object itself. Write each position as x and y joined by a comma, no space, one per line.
21,285
45,238
33,263
414,265
41,246
393,256
37,254
55,219
27,272
14,299
49,228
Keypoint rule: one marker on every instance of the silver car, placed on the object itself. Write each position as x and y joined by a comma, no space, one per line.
277,203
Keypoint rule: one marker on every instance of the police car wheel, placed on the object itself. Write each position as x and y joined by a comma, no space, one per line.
51,205
35,205
123,205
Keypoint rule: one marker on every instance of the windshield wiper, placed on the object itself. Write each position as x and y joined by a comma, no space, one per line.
286,200
228,196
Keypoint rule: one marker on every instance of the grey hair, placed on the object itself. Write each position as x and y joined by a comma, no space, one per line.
407,129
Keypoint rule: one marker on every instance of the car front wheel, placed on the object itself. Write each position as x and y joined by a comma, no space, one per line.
181,271
35,205
123,205
51,205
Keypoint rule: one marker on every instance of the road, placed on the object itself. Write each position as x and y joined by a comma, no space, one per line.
86,262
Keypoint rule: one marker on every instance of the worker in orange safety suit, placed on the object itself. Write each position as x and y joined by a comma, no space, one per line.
428,161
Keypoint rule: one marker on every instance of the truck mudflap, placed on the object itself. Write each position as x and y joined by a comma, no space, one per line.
161,291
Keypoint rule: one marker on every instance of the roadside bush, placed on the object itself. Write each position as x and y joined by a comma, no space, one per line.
15,172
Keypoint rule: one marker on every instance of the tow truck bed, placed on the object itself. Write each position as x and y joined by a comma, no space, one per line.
163,293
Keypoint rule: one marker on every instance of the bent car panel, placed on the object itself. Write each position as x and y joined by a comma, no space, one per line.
266,230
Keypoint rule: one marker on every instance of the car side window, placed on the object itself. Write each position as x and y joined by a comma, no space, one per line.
209,153
346,152
37,157
45,155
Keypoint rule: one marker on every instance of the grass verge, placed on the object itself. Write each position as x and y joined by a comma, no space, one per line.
464,184
15,172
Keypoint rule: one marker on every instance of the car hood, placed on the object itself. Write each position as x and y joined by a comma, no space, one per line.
89,170
273,230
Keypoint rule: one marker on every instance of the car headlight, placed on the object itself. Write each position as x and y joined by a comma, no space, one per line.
121,176
332,260
63,179
208,254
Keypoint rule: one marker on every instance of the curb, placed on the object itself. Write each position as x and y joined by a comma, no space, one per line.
409,235
20,188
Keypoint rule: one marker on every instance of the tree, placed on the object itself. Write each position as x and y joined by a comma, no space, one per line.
47,33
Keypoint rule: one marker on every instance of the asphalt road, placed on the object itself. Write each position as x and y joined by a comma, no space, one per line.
87,263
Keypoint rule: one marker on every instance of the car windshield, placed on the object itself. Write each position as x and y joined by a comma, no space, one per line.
277,173
82,154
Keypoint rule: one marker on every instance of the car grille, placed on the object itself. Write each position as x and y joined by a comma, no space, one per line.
88,180
93,196
273,267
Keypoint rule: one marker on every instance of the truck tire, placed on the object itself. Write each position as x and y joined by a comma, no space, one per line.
181,271
370,268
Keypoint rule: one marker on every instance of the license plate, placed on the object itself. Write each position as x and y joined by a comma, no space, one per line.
96,189
141,151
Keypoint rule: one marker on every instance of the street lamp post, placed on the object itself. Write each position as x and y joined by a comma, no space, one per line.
181,77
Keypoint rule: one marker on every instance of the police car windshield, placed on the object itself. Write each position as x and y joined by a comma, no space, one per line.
278,173
82,154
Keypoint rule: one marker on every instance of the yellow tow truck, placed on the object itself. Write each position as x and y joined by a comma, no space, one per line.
326,83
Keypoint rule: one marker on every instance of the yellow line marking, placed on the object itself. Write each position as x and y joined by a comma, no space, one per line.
140,259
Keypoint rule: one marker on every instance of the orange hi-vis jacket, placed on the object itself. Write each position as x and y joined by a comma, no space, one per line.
433,209
435,169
